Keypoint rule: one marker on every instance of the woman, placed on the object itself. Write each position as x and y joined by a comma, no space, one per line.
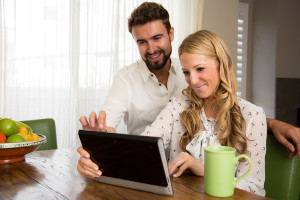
211,114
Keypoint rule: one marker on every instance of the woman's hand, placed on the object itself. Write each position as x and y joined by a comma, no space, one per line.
183,162
85,166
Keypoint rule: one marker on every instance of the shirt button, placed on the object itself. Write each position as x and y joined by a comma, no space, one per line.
169,100
159,84
151,75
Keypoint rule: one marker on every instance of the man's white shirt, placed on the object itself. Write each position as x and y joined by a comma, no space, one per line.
138,97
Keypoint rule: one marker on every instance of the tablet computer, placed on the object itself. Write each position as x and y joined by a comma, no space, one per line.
132,161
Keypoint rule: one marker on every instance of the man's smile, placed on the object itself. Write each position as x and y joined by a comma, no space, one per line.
155,56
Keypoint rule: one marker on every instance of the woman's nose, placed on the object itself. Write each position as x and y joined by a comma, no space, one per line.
193,79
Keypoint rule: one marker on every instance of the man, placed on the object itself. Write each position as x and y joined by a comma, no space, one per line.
141,90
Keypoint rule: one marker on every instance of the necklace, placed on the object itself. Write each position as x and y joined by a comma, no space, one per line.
210,111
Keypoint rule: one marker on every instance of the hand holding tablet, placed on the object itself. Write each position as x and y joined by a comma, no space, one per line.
132,161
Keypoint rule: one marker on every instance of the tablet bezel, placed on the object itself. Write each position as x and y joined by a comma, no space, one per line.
164,190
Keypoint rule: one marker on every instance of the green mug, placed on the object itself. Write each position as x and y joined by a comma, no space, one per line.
219,170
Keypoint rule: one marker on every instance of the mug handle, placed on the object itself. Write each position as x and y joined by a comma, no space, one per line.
250,167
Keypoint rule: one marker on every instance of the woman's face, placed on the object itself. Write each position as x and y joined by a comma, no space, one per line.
201,73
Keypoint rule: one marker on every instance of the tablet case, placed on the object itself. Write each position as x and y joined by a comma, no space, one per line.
131,161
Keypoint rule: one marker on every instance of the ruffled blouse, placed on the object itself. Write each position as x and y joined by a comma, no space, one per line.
169,127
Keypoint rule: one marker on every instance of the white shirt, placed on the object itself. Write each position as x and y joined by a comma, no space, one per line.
168,126
138,97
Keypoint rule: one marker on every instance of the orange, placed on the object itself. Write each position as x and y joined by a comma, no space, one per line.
24,131
2,138
28,134
35,137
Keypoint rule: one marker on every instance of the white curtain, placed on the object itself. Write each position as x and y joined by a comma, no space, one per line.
58,57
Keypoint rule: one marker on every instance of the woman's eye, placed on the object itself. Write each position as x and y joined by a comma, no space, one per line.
186,73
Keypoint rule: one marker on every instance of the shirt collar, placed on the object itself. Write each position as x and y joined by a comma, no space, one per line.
146,73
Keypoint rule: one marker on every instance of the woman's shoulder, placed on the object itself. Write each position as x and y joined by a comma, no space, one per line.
179,103
248,108
182,100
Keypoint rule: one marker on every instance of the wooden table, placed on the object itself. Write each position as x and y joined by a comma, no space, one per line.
52,174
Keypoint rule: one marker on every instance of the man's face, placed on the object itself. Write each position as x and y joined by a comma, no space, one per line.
154,43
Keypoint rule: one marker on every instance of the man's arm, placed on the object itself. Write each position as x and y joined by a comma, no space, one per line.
284,131
117,102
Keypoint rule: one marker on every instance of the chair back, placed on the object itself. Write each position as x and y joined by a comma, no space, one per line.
282,173
45,127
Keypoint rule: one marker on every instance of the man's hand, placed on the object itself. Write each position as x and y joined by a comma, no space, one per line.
284,131
96,124
85,166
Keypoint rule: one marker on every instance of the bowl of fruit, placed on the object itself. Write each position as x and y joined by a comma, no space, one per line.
16,140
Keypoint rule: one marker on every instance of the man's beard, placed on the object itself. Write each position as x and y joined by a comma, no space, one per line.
157,65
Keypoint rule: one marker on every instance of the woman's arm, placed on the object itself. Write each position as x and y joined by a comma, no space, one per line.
256,133
162,126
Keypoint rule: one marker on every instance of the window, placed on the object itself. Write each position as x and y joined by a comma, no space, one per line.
58,57
242,50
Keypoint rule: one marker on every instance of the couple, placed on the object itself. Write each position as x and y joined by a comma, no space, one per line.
208,113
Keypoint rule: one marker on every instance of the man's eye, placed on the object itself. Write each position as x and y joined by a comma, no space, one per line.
200,69
141,43
157,38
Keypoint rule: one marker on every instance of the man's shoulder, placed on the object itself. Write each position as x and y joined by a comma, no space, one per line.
176,63
129,70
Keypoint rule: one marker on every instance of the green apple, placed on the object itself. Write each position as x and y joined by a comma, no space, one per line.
15,138
8,127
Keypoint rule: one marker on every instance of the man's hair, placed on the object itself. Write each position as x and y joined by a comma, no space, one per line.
148,12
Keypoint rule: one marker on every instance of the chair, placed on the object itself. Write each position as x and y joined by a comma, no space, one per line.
282,173
45,127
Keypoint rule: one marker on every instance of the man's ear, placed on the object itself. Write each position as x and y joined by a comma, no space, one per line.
171,34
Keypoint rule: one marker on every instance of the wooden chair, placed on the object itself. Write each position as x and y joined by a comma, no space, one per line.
282,173
45,127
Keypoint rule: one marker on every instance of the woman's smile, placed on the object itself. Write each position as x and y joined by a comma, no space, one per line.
199,88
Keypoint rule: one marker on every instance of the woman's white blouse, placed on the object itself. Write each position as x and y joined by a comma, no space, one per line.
168,126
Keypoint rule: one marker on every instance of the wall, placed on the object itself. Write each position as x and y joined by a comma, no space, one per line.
275,48
220,16
287,66
264,55
275,68
288,39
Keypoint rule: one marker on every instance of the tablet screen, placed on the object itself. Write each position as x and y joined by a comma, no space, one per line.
128,157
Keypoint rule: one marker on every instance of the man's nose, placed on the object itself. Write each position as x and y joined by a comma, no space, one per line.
151,48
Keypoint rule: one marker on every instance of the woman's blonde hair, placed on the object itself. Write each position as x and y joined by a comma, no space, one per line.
230,122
